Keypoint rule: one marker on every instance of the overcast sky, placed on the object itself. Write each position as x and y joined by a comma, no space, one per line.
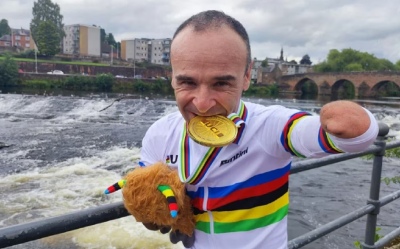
301,27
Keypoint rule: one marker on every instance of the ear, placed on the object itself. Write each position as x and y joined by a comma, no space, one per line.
247,77
169,194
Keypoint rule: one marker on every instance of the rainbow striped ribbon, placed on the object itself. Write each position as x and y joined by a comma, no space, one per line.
197,176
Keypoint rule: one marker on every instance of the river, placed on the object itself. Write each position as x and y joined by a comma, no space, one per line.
65,150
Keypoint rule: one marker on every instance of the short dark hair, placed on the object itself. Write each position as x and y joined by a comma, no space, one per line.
215,19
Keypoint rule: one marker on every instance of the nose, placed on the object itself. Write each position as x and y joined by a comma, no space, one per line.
204,99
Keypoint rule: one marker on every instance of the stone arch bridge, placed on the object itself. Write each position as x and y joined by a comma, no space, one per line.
364,83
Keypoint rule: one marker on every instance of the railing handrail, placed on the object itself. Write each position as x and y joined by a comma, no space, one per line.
26,232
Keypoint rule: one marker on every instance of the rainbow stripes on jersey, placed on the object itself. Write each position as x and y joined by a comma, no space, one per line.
238,118
326,143
324,140
287,133
257,202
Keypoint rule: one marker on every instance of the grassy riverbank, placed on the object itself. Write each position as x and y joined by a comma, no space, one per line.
108,83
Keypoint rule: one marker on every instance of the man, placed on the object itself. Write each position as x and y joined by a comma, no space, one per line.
240,191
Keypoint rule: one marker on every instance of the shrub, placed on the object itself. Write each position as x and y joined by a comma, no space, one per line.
79,83
140,86
8,72
104,81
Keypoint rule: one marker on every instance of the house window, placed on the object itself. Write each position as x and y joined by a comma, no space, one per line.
27,45
27,38
17,37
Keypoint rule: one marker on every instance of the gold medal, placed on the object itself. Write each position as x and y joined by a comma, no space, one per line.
212,131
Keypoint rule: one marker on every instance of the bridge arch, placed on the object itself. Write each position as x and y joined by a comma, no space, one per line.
343,88
306,86
364,83
385,88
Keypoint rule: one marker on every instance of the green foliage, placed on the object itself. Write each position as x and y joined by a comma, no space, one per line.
305,60
348,91
390,89
8,71
349,60
353,67
264,63
4,28
26,54
103,35
309,88
46,10
393,153
104,82
111,40
39,84
357,243
79,83
385,64
47,39
388,180
262,91
141,87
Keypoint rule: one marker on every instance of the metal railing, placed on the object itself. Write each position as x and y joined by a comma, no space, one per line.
23,233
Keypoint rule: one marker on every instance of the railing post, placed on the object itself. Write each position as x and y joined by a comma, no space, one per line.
375,188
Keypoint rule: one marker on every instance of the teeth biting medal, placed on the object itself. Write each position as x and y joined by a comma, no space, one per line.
212,131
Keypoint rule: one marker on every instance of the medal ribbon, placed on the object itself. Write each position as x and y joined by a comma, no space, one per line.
212,153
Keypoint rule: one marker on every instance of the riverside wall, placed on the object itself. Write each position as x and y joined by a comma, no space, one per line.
148,72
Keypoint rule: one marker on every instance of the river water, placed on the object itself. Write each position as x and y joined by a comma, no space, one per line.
65,150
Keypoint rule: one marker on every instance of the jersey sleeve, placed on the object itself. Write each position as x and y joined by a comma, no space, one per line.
152,145
303,136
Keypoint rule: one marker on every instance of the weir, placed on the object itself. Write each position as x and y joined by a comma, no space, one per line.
22,233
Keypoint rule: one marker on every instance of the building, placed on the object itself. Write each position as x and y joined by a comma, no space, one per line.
5,41
155,51
259,73
160,51
135,49
82,40
19,38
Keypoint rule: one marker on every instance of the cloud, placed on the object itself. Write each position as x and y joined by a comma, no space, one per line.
301,27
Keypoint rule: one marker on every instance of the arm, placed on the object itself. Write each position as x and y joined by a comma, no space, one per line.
342,126
344,119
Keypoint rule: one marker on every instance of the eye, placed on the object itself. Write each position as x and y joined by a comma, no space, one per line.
221,84
186,83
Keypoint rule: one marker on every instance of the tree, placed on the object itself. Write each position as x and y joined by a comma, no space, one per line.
103,35
353,67
305,60
47,39
4,28
8,71
385,64
264,63
352,60
46,10
110,40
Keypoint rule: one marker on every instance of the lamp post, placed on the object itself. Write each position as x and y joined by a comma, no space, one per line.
112,54
134,57
36,59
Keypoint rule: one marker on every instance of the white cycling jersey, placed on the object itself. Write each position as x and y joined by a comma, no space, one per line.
240,192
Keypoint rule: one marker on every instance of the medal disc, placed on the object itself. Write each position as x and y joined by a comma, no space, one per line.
212,131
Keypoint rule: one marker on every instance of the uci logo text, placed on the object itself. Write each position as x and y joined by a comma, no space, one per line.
171,159
212,128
